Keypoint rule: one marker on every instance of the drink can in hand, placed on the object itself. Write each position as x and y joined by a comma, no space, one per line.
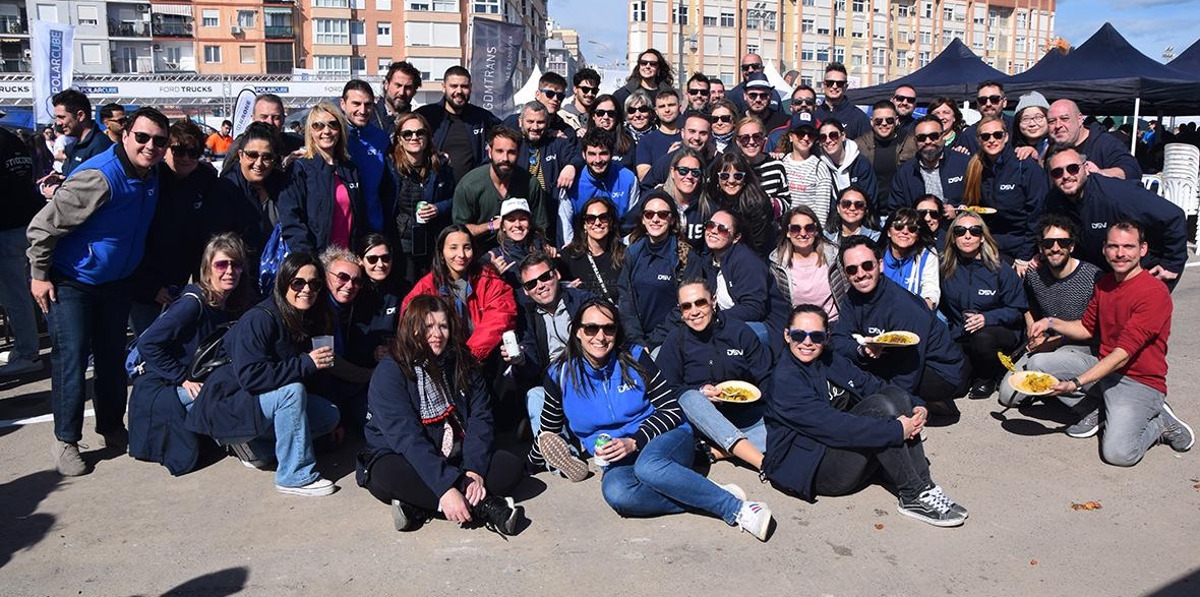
420,206
511,347
601,439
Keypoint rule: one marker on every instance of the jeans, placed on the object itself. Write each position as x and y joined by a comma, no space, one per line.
760,329
726,423
535,400
1067,360
661,481
185,399
296,417
14,293
88,320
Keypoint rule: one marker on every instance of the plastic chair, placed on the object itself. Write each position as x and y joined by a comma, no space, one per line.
1153,183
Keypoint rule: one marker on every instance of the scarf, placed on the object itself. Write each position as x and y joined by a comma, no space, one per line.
436,406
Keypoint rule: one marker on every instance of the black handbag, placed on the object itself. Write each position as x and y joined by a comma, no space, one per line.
210,355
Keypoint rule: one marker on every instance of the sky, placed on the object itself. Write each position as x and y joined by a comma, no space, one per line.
1150,25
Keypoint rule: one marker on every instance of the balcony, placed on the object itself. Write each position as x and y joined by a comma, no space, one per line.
280,32
128,29
13,25
173,29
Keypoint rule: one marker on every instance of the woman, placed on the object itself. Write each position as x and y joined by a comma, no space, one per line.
377,308
847,167
983,301
831,426
733,185
852,215
743,284
260,396
909,257
254,183
685,185
708,349
603,387
422,182
656,260
933,218
1032,124
751,140
516,238
1016,188
608,115
651,74
595,257
639,116
724,117
805,264
809,180
478,293
429,436
946,110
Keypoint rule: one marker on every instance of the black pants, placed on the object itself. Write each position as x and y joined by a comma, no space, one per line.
393,478
843,471
935,388
981,348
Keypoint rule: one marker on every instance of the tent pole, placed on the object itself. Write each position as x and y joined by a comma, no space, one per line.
1137,108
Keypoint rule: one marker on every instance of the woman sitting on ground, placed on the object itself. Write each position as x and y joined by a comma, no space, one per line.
745,290
805,264
516,238
909,258
831,426
429,436
377,308
596,255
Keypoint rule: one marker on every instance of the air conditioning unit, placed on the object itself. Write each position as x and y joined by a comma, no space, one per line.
156,47
143,8
235,30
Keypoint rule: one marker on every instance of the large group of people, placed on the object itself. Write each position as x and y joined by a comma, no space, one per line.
586,276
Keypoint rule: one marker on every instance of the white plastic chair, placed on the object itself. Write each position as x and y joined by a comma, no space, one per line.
1153,183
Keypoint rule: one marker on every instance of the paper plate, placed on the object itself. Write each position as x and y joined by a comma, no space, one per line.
746,391
979,209
1019,381
895,338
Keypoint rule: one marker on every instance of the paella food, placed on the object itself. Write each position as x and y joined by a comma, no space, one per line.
896,339
738,391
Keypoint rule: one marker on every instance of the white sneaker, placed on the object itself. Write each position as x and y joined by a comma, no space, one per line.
4,355
734,490
317,488
755,518
20,367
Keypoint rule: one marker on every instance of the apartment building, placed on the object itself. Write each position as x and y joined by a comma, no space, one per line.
563,55
91,34
244,36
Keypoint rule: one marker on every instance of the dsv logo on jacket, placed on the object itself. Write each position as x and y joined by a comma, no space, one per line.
734,352
954,179
874,331
1008,187
664,277
986,292
1099,225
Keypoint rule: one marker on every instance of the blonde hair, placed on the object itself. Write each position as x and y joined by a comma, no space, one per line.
340,153
973,180
989,252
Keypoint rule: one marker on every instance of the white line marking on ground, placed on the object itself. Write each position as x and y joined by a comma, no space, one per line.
40,419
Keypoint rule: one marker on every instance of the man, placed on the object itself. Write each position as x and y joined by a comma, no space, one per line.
804,101
83,246
550,94
1060,288
400,85
1106,155
883,146
752,64
933,369
112,116
837,105
905,100
1096,202
73,118
460,129
665,136
480,192
697,133
990,101
697,93
22,202
598,179
1131,316
544,153
368,145
716,90
585,86
935,171
219,141
756,98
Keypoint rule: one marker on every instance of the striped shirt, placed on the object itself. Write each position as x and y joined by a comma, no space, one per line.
810,184
772,177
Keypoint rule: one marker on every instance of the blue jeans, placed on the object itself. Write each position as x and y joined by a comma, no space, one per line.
535,400
88,320
727,423
14,293
295,418
661,481
760,329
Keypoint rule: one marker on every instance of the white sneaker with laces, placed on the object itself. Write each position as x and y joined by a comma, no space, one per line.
320,487
755,518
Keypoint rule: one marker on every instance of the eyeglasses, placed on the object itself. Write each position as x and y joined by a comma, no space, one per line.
901,227
757,95
698,304
881,121
927,137
373,259
685,171
545,277
989,99
159,141
647,63
298,284
928,213
752,139
830,136
835,83
225,264
795,229
1035,119
724,118
737,176
1071,169
603,218
752,66
319,125
697,91
848,204
997,135
904,99
1050,243
604,113
866,266
798,336
651,214
803,101
591,329
587,90
720,228
960,231
410,134
639,110
263,156
553,94
343,279
185,150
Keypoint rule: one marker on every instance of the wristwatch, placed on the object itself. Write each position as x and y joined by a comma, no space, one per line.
1075,380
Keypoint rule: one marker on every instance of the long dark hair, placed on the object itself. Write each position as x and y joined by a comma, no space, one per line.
622,141
406,165
441,270
908,215
302,325
578,248
833,222
683,248
255,131
410,349
784,247
574,362
752,204
665,74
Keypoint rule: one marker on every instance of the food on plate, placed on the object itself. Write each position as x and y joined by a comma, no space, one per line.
979,209
1033,383
738,391
896,339
1039,382
1086,506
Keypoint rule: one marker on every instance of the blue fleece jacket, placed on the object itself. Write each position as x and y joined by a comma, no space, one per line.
727,349
374,319
856,122
306,205
1017,189
908,184
999,295
1107,151
368,148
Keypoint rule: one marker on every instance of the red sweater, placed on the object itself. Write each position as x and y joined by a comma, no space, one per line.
490,304
1134,315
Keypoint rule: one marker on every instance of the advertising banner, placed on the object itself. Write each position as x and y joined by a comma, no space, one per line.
53,63
495,50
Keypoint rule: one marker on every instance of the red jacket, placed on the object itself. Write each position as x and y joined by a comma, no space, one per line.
490,304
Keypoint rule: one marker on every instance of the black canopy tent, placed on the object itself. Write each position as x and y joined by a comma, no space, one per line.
954,73
1188,61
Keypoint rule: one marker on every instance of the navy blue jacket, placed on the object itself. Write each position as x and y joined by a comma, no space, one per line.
306,205
90,146
368,151
1107,151
1017,189
170,342
892,308
394,426
532,332
1106,200
374,319
907,184
655,144
856,122
648,289
999,295
802,423
737,95
479,119
554,125
727,349
862,175
253,220
750,284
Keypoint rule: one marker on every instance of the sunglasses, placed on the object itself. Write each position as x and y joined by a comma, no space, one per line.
373,259
835,83
798,336
698,304
685,171
720,228
647,63
184,150
757,95
591,329
1071,169
159,141
593,218
866,266
552,94
736,176
989,99
264,156
121,121
804,101
724,118
927,137
640,110
410,134
805,133
753,139
1050,243
830,136
928,213
225,264
904,99
545,277
752,66
298,284
697,92
320,125
343,279
651,214
960,231
848,204
795,229
901,227
997,135
587,90
604,113
880,121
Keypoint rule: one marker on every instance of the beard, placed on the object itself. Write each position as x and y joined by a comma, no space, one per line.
931,154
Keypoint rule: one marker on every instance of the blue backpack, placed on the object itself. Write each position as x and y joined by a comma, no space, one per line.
272,256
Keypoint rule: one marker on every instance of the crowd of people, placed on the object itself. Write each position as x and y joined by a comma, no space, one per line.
585,276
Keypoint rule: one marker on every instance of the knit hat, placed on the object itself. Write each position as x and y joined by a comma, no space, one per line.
1032,99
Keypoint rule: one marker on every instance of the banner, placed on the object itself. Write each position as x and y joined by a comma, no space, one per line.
53,63
495,50
243,110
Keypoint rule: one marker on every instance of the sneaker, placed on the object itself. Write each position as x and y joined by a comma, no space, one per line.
498,514
933,508
1087,426
558,455
317,488
117,440
20,367
67,459
755,518
4,356
406,517
982,389
734,490
954,506
1176,433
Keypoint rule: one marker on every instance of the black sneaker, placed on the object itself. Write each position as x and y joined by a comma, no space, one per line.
499,514
933,508
981,389
1176,433
406,517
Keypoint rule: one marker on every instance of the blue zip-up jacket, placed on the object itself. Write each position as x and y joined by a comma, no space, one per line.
109,244
892,308
368,149
619,185
856,171
648,289
969,138
170,342
552,153
415,238
802,424
907,184
532,332
479,119
1107,151
727,349
856,122
394,426
654,144
1017,189
999,295
306,205
1104,201
91,145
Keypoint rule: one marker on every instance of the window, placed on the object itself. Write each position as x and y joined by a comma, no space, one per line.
88,16
807,25
901,58
839,6
858,6
926,37
442,35
710,21
807,51
681,15
923,59
210,18
212,54
383,65
879,57
91,53
172,55
383,34
358,33
928,10
810,2
246,54
280,58
752,48
443,6
1021,19
902,11
383,5
358,65
333,64
991,43
331,31
823,54
856,60
486,6
331,3
47,12
245,19
359,4
822,30
418,6
840,32
727,18
839,55
947,13
638,7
